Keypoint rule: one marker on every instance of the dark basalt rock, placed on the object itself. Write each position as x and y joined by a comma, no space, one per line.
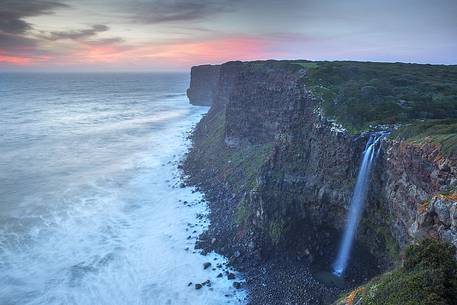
278,176
203,84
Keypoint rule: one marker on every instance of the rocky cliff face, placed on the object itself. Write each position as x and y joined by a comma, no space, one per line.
419,191
203,84
303,191
256,97
290,172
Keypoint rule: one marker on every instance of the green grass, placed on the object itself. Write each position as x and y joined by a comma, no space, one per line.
441,132
307,64
245,163
428,277
238,167
360,95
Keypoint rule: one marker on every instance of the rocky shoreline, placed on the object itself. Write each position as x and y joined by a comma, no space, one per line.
275,280
278,176
277,277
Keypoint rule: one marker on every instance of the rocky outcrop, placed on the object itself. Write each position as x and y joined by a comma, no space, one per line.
230,150
306,186
284,173
257,96
419,189
203,84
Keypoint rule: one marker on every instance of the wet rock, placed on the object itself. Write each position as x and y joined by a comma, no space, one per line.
219,275
231,276
237,285
206,265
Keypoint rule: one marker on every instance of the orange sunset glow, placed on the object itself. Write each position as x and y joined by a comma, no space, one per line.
163,35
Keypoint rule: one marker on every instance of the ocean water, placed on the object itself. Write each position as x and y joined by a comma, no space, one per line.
91,211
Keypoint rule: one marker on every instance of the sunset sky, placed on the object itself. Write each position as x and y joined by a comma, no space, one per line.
159,35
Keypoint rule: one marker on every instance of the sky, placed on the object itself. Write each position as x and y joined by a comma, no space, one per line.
173,35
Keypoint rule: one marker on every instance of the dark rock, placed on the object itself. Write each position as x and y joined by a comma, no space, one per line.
198,286
231,276
203,84
304,179
206,265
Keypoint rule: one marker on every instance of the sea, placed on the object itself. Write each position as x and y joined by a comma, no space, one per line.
92,208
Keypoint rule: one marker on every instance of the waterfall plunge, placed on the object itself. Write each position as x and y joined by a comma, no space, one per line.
357,202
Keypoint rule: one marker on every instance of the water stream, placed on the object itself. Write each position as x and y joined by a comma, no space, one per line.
358,200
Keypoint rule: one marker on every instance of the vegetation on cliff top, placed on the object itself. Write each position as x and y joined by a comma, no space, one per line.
442,132
428,277
361,94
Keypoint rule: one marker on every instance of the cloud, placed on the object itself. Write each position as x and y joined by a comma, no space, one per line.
21,43
180,33
16,46
160,11
78,34
16,43
106,41
12,13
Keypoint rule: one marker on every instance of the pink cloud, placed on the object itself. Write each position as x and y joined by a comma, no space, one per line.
168,55
20,60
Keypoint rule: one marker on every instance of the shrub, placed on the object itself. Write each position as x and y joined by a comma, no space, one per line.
428,277
360,94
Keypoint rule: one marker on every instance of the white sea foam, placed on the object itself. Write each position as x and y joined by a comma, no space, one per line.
114,232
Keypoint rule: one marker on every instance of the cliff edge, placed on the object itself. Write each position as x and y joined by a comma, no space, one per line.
278,154
203,84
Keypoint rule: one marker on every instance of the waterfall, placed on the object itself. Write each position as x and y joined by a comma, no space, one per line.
357,202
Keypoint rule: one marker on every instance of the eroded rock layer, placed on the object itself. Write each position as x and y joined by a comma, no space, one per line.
286,172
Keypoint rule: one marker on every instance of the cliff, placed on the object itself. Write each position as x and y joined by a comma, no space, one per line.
281,170
203,84
419,190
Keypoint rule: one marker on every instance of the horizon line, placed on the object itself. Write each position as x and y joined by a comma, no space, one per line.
101,71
